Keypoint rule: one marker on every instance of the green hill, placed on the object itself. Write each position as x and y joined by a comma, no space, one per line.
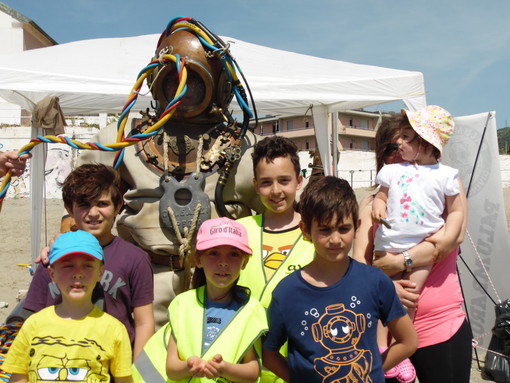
504,140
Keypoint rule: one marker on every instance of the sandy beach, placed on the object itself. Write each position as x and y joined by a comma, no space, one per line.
15,220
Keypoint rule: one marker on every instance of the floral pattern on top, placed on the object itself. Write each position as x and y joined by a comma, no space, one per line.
410,211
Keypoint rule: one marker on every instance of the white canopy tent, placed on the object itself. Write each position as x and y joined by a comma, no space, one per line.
94,76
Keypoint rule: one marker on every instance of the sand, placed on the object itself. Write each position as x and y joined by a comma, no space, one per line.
15,219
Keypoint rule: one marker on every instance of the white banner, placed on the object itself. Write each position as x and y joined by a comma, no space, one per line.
484,263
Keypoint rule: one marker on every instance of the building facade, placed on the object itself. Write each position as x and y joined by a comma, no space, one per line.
17,34
356,129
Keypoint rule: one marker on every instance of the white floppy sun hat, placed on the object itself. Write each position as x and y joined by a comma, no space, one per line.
432,123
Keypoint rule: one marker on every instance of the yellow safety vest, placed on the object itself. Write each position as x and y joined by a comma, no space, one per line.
246,328
254,277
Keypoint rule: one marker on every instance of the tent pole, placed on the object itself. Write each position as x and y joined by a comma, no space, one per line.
36,194
335,144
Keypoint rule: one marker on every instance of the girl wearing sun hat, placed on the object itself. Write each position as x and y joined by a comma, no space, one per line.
413,196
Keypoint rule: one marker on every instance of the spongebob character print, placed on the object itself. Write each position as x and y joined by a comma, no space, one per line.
416,202
332,331
50,348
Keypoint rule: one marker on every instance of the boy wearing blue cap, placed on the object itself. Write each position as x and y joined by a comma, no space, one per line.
73,340
92,197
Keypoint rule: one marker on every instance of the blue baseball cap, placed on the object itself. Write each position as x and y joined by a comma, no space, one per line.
75,242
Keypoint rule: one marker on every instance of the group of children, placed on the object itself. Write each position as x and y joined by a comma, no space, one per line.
291,262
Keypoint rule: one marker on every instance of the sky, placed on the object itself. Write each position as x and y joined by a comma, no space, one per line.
462,47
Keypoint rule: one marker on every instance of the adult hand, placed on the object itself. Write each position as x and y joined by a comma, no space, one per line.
442,247
390,263
11,161
405,291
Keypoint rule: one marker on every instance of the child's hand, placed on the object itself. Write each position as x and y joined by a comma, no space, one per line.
215,367
44,254
377,213
379,205
196,366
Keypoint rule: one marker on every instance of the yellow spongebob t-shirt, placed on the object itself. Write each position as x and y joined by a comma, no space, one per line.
88,349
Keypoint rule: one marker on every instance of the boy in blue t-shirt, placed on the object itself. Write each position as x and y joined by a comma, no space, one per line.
328,311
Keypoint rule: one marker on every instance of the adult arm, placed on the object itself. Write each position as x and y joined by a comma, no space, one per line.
446,242
144,327
426,253
394,263
11,161
462,201
362,250
277,363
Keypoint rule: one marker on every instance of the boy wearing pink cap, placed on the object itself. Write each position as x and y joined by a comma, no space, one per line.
73,340
216,326
415,195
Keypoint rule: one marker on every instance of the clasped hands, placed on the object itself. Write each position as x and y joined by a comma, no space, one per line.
211,369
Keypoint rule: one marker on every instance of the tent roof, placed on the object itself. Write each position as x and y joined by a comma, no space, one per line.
93,76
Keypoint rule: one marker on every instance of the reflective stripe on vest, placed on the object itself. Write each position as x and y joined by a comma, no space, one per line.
150,366
254,277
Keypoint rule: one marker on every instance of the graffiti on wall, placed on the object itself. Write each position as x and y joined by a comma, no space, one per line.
59,163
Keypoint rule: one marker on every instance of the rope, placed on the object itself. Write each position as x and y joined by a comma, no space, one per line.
199,155
483,266
166,141
185,242
122,142
210,42
7,334
474,344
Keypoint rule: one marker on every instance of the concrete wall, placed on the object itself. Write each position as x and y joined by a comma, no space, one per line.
355,166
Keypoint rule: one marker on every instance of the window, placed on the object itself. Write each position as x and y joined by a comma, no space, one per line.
307,124
290,124
363,124
276,127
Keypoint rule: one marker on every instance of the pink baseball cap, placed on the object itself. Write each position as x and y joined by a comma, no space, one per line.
432,123
223,231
